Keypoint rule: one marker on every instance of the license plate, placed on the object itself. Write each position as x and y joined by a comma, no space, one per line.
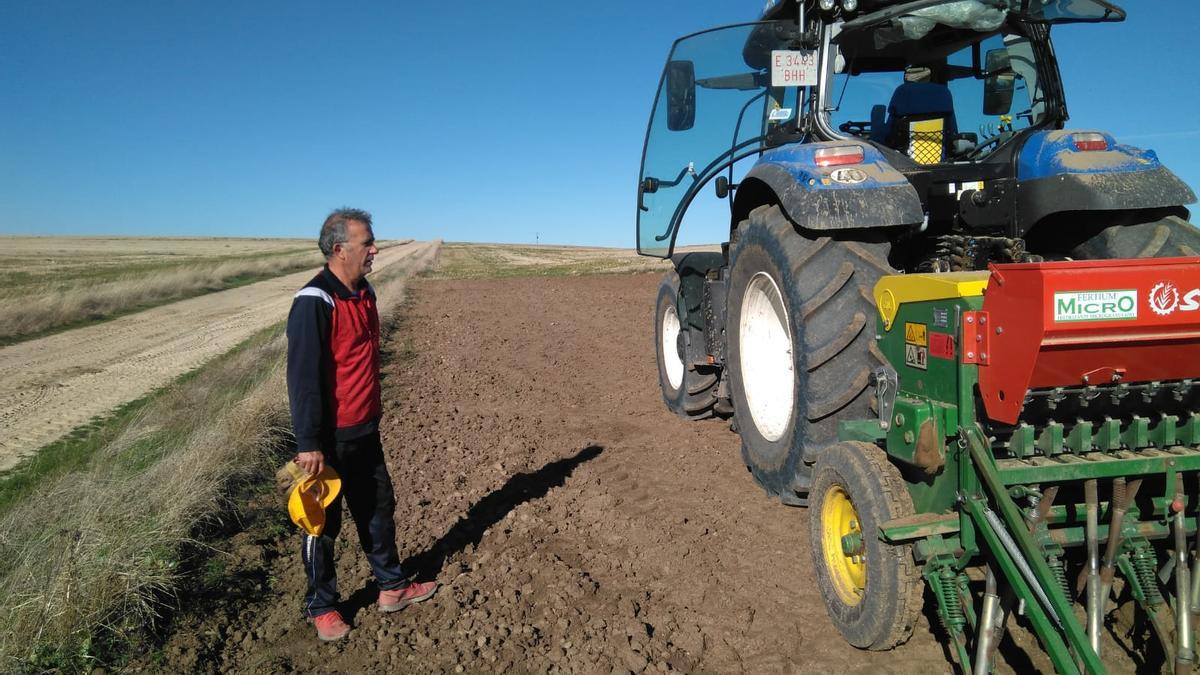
793,68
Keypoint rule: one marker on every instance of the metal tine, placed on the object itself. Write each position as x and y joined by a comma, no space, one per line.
1122,498
1196,569
1183,616
1095,605
988,636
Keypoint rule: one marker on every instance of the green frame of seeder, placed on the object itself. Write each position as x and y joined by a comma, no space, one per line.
979,500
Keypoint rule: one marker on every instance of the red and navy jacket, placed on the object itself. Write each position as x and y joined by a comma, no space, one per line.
333,362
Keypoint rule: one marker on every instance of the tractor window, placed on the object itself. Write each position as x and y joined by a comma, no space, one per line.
710,107
951,108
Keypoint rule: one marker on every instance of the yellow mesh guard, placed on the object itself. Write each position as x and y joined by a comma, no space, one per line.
925,141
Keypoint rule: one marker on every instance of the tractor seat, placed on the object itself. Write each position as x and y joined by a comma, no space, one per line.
920,121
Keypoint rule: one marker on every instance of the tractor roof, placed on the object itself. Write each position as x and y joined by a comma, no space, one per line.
869,11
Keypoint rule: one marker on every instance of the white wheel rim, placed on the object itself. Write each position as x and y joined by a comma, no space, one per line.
669,348
765,357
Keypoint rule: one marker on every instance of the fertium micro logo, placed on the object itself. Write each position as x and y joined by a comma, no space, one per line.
1115,305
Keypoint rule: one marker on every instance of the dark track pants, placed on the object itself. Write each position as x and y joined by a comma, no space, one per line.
367,489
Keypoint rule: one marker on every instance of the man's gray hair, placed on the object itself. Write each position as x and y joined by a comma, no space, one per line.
334,230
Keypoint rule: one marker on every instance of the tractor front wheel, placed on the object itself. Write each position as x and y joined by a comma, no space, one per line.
872,589
688,391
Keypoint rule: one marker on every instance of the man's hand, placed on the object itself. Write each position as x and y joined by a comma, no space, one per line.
312,462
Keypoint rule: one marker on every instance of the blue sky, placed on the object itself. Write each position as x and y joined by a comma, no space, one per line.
465,121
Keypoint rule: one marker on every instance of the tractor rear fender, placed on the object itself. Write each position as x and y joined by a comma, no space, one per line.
1054,175
870,193
693,269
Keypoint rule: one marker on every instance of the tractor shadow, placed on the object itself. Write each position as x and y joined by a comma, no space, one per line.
489,510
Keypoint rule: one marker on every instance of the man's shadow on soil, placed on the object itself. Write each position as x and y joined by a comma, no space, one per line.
486,512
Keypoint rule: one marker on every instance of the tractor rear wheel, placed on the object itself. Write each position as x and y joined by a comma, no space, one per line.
800,330
1156,237
873,590
687,390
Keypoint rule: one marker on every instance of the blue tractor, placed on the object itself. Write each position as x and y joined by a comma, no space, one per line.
885,137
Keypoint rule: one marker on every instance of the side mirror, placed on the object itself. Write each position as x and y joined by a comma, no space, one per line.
999,83
681,95
724,187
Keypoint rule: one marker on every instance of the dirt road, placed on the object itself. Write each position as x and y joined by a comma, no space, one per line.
574,524
54,384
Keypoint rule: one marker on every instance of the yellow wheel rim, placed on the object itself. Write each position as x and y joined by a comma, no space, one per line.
838,519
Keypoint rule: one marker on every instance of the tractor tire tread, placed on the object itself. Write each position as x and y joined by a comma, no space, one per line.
839,342
912,588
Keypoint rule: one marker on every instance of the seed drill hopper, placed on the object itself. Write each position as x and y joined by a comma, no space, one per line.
1044,419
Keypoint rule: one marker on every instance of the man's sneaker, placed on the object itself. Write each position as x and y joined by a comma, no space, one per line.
330,626
399,598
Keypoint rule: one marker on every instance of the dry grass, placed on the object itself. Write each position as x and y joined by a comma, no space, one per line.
20,318
472,261
58,263
81,281
93,555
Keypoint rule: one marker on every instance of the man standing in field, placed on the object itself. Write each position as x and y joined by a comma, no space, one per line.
333,388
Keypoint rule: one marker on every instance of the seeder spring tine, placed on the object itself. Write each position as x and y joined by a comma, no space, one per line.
1195,598
1095,604
943,580
988,634
1183,615
1122,496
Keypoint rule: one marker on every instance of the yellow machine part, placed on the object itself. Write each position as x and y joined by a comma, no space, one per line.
897,289
839,519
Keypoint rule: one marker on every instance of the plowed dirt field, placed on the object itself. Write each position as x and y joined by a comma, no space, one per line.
573,523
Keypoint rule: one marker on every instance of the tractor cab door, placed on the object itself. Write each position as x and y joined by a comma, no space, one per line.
714,105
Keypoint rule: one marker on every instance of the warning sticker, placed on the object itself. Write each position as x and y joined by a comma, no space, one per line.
915,334
941,345
916,357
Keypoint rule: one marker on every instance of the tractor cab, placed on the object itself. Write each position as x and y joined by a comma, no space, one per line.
942,92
